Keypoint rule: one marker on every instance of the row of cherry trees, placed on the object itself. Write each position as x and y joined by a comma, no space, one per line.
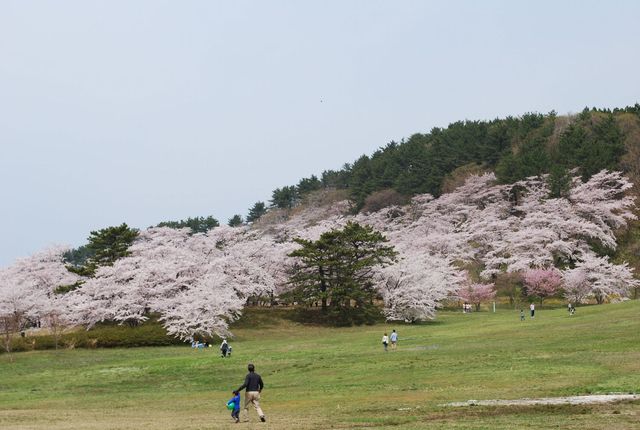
199,283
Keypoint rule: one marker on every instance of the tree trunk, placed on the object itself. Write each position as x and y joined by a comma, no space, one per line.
323,290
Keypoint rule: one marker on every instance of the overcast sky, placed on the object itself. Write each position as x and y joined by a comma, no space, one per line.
144,111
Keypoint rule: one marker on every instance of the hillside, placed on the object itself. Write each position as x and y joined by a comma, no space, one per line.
318,378
514,147
575,227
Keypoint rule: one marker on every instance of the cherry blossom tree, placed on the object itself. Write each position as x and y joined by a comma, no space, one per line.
199,283
542,283
600,278
15,307
576,286
476,293
413,287
27,293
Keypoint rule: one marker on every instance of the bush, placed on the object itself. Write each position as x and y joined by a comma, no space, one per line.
338,317
104,335
382,199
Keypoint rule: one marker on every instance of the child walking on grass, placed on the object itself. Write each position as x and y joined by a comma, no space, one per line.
235,400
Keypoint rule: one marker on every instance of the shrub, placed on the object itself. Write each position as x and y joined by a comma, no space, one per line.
104,335
382,199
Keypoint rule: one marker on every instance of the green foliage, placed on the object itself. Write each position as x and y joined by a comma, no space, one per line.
106,246
235,221
559,182
78,256
63,289
592,144
197,224
628,250
258,209
307,185
285,197
103,335
336,270
339,179
515,147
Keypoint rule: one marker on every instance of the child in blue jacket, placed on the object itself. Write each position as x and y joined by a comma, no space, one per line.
235,413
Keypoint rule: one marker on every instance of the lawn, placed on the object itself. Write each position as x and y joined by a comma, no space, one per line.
319,378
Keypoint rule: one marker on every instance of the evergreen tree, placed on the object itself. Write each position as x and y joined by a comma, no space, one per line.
256,211
285,197
306,185
197,224
559,182
106,246
337,270
235,221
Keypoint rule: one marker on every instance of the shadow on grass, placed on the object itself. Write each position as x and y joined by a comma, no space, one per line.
493,411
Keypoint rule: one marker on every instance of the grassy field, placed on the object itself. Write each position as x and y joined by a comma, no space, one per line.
320,378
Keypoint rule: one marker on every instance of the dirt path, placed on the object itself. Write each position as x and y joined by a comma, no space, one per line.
573,400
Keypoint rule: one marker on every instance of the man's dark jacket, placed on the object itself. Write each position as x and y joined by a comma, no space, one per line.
252,382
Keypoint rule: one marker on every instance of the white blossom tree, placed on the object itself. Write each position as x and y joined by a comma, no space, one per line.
27,293
600,278
413,287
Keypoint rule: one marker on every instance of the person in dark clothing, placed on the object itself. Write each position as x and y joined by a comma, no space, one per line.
253,383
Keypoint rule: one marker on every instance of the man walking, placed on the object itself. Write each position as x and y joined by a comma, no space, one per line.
253,384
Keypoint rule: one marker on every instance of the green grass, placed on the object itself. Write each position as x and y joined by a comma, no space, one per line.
319,378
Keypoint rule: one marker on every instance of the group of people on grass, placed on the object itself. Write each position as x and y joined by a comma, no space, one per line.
225,348
532,309
393,339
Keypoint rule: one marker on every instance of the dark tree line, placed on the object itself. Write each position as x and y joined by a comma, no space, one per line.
515,147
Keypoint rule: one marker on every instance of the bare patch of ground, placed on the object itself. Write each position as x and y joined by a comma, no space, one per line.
569,400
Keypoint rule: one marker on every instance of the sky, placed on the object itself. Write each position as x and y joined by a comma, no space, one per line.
147,111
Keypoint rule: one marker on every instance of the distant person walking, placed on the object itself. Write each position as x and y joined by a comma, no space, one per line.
532,307
253,384
385,341
521,314
224,347
394,340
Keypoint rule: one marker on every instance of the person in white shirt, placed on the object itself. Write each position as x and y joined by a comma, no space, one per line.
532,307
385,341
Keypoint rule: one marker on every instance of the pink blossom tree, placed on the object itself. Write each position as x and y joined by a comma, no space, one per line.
542,283
477,293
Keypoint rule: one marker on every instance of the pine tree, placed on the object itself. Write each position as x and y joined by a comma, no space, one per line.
106,246
337,270
235,221
256,211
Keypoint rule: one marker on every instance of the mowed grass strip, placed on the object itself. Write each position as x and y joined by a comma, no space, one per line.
341,378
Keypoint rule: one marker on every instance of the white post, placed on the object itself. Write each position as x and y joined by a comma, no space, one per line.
494,307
